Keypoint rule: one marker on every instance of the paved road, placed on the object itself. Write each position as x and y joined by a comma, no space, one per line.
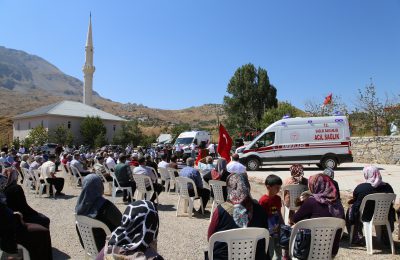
348,175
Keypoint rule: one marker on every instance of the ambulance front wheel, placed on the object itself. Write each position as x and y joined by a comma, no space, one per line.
329,162
253,164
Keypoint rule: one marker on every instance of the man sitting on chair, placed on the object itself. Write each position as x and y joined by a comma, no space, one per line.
194,174
123,174
145,170
100,168
78,165
48,173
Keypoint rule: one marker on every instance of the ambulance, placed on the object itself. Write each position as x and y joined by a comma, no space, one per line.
185,139
324,141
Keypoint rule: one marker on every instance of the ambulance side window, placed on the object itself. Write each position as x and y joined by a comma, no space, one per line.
266,140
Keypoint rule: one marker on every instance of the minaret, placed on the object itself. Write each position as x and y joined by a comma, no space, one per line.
88,69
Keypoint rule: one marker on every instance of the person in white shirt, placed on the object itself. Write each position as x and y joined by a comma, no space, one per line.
235,166
48,173
21,149
110,162
163,163
145,170
211,150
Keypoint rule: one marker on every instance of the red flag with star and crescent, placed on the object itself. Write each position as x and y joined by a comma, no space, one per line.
224,143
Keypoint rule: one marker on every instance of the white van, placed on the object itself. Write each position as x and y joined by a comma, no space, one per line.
196,137
324,141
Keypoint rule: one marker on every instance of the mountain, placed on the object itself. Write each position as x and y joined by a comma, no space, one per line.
28,82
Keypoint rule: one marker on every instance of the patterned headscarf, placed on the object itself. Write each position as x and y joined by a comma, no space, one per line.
139,227
297,172
238,188
372,175
91,198
328,171
323,190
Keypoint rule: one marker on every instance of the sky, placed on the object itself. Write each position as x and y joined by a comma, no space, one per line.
177,54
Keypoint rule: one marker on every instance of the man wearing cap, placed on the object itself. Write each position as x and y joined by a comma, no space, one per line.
235,166
48,173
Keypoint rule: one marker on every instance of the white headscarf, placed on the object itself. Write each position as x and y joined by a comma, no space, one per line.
372,175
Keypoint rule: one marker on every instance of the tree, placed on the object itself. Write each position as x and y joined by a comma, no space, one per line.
371,107
91,128
274,114
147,140
313,108
250,94
129,133
61,135
37,136
100,140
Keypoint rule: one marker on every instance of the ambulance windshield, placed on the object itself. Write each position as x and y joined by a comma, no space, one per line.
266,140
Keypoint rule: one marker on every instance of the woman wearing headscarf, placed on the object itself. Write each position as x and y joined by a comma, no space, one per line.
92,204
16,200
136,237
296,177
323,202
329,172
373,184
220,173
34,237
240,210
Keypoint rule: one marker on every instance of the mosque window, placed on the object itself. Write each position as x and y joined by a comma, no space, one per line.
114,126
29,125
69,124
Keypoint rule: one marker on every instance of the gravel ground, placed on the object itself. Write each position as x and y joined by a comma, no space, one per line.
179,237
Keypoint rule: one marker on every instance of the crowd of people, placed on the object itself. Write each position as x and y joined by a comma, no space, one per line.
134,233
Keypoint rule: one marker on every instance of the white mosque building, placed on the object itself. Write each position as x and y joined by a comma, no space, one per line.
69,113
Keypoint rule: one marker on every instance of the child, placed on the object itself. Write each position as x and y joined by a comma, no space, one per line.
272,204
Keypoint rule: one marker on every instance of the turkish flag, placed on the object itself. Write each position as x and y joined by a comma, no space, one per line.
328,100
224,143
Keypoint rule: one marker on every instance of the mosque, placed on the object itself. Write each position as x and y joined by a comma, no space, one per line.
69,113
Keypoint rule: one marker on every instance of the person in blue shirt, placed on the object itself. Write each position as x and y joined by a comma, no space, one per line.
190,172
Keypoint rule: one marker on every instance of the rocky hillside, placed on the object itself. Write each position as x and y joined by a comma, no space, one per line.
28,82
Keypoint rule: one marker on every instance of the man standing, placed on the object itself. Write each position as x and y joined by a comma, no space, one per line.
190,172
48,173
123,174
211,150
21,150
235,166
145,170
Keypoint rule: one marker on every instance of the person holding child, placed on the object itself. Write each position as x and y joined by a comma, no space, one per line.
272,204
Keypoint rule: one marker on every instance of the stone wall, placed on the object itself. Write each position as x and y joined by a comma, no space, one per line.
377,149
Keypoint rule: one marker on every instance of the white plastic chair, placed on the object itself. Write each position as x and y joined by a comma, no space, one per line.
141,190
383,203
105,180
41,186
27,182
85,227
184,195
295,191
216,187
242,242
323,232
76,175
164,177
117,187
172,179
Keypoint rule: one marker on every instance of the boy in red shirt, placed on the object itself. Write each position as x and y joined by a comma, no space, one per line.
272,204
